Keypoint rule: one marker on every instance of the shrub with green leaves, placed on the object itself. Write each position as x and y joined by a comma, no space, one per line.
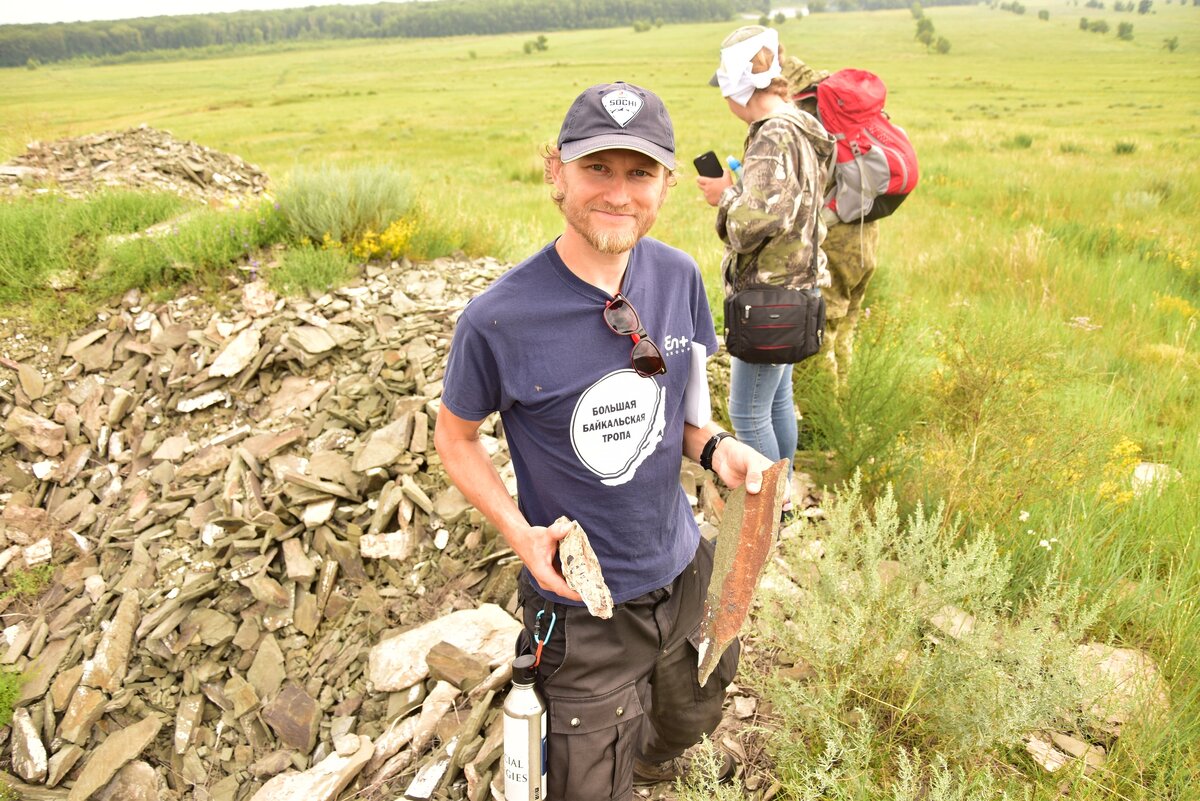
882,618
702,782
343,204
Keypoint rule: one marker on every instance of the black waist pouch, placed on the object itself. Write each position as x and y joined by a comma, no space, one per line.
774,325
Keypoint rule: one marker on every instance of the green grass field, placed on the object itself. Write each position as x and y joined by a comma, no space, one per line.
1035,314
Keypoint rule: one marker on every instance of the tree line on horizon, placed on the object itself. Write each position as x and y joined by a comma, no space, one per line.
30,45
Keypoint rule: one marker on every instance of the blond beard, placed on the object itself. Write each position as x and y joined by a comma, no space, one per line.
613,243
610,242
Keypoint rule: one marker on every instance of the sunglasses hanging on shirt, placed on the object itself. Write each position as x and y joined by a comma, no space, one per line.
622,319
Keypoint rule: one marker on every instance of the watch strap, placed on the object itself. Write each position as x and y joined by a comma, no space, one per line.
710,447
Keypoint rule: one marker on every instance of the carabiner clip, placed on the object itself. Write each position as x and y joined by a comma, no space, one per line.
537,638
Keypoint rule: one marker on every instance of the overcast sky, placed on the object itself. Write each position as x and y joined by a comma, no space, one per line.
25,11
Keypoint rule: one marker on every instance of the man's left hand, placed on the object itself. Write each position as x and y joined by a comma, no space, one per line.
737,463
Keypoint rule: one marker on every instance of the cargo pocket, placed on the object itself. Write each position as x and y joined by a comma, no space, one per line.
599,736
721,676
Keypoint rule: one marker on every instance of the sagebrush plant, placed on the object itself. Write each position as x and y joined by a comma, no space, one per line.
880,619
702,781
839,761
344,204
935,780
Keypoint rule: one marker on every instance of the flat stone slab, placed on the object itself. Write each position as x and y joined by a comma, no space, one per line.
399,662
322,782
117,749
295,717
35,432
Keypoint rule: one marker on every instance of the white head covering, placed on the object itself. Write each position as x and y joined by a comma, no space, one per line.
735,77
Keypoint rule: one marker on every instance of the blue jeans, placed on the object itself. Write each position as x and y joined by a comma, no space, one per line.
761,408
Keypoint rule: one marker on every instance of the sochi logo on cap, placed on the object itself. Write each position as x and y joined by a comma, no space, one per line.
622,105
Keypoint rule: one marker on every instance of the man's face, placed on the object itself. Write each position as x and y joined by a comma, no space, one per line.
611,198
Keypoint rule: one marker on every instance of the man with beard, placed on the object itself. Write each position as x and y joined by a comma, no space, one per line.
592,397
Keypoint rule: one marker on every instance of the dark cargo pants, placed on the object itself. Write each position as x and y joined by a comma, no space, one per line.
626,686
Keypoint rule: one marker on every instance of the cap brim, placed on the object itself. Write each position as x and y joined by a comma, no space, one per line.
713,80
582,147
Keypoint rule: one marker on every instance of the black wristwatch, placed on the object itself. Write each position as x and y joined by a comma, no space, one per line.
710,448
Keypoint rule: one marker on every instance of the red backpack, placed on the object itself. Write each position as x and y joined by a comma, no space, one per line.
876,165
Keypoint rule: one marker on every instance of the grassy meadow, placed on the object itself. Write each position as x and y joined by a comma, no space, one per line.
1032,334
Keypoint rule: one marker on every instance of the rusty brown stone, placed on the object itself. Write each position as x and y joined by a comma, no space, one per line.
295,717
748,527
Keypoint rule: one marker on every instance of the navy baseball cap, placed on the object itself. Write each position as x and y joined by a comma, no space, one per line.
618,116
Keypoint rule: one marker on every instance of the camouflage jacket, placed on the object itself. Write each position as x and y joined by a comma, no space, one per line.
767,219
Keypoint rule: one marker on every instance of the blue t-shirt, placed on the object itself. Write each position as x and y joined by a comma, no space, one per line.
589,437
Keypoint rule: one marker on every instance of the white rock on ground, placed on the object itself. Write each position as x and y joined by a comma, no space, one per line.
1044,753
1152,477
320,783
1119,684
28,751
237,354
399,662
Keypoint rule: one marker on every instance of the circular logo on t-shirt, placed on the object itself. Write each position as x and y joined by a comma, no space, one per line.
617,423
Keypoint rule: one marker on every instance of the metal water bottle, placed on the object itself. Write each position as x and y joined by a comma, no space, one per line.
524,736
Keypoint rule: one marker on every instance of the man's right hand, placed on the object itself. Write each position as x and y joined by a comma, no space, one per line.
537,546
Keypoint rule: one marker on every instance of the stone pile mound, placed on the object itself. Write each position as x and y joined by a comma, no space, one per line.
137,158
243,509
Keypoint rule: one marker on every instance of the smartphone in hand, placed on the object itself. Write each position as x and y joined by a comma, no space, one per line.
709,165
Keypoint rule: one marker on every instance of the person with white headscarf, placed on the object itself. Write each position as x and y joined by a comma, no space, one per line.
769,220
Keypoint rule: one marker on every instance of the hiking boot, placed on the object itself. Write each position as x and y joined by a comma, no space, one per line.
656,772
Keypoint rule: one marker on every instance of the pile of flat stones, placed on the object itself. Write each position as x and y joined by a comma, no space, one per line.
262,585
239,504
138,158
